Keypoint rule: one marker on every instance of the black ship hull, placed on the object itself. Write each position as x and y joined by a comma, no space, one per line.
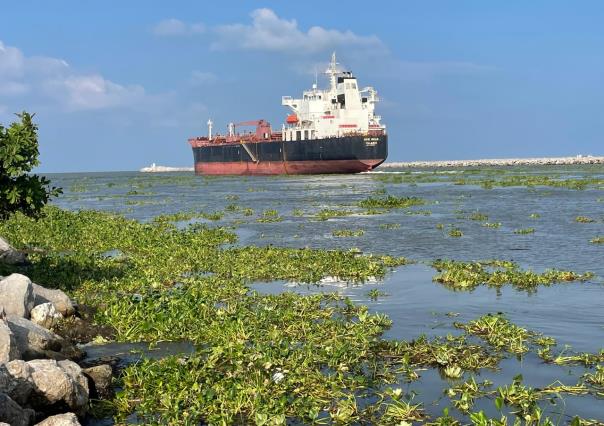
349,154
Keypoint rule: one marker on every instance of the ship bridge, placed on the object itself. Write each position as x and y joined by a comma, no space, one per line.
340,110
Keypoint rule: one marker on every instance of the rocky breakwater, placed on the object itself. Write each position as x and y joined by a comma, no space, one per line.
545,161
40,382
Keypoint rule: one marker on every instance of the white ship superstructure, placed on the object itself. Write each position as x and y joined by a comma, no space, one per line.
341,110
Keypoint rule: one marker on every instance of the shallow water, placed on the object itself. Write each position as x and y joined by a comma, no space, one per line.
571,313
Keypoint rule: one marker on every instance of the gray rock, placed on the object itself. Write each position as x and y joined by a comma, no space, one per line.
45,315
15,381
9,255
67,419
8,344
60,300
100,381
57,383
35,341
13,414
16,295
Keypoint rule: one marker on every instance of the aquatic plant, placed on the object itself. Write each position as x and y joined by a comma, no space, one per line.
534,215
583,358
521,397
260,358
499,332
269,216
584,219
479,217
492,224
374,294
455,232
597,378
390,202
390,225
347,232
597,240
464,395
325,214
440,352
418,212
524,231
459,275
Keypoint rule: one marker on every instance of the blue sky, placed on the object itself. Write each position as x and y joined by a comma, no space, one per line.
118,85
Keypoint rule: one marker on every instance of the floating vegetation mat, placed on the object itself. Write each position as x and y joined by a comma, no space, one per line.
491,178
276,359
390,202
458,275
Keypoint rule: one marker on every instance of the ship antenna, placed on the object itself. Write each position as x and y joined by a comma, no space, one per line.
332,71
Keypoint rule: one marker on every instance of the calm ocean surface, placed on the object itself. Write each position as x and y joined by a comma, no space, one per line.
571,313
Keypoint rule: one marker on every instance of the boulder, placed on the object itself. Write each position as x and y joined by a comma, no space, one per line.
8,344
13,414
58,384
16,295
15,381
99,381
60,300
45,315
67,419
35,341
11,256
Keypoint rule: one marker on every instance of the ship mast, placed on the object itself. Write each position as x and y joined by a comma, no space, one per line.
332,71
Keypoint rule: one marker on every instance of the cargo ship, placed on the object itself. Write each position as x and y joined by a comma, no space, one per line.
333,130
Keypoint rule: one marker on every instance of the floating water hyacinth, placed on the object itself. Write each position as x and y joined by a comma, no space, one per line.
390,202
496,273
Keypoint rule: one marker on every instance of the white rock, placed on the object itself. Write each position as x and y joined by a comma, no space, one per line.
9,255
35,341
8,344
45,315
60,300
16,295
56,382
13,414
67,419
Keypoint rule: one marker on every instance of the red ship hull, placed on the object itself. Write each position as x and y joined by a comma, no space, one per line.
286,167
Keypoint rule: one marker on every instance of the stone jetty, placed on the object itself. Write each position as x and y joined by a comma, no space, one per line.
544,161
40,380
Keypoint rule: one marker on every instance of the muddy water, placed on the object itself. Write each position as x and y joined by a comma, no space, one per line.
571,313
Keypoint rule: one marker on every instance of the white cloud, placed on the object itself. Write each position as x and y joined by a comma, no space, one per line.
11,61
12,88
200,78
51,81
270,32
176,27
89,92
